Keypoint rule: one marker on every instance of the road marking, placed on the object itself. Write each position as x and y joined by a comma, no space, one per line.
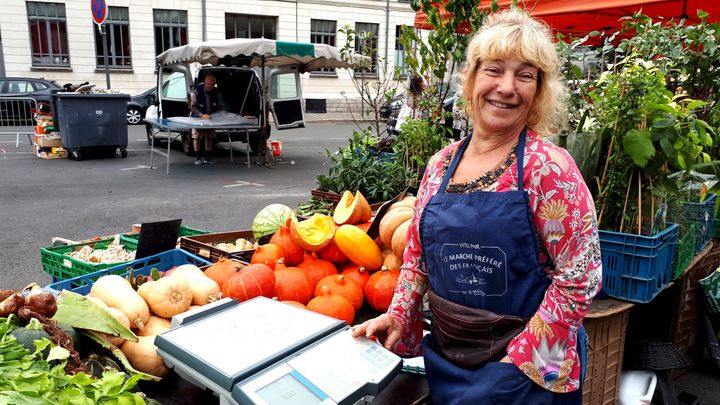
136,167
301,139
239,183
341,139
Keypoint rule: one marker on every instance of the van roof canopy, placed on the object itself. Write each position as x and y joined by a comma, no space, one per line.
259,52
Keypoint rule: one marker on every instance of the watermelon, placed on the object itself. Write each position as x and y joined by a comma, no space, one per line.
270,219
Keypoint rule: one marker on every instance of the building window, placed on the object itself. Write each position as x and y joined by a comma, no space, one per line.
170,29
400,53
250,26
117,39
367,44
323,32
48,34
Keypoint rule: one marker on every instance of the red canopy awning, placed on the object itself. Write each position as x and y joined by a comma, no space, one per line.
579,17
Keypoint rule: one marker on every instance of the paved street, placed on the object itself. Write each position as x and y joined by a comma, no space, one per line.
40,199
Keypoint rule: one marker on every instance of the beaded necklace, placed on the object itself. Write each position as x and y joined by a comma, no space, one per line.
483,182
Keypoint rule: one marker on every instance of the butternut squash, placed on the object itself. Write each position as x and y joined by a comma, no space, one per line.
155,326
204,289
116,292
120,316
391,221
143,356
169,296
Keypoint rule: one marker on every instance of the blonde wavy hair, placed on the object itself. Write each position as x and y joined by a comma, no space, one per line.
514,34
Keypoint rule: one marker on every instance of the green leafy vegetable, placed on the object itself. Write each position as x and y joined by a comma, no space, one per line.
79,312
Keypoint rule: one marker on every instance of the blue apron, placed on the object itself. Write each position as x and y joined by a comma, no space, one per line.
481,252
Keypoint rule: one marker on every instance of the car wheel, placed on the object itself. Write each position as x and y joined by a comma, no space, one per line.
134,115
149,132
187,145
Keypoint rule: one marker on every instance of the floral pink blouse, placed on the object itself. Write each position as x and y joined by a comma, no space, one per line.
565,221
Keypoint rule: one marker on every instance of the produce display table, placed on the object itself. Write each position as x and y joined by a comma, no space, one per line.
174,130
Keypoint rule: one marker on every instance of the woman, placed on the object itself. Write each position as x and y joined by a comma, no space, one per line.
505,237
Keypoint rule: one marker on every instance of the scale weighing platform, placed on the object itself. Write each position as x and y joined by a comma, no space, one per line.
265,352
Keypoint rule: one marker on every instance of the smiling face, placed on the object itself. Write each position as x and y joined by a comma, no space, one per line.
503,94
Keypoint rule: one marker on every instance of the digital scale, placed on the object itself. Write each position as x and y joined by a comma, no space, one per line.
265,352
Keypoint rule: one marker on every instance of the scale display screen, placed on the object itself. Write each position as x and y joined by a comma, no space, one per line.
231,344
288,390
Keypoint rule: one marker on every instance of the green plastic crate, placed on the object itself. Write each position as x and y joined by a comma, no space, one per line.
685,251
63,267
131,239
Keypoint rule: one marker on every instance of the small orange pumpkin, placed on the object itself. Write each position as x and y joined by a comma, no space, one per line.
380,288
331,253
399,239
295,304
249,282
344,286
316,269
292,284
334,305
358,247
222,270
357,273
268,254
283,238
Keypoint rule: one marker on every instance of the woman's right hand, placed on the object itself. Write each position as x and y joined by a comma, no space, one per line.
386,328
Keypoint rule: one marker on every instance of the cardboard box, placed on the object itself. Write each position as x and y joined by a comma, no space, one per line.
43,141
50,153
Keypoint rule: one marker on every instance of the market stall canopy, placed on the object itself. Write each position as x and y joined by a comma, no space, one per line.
580,17
259,52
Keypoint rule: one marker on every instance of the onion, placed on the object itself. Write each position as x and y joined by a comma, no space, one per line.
41,301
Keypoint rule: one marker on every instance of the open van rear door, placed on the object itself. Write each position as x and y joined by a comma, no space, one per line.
285,98
174,90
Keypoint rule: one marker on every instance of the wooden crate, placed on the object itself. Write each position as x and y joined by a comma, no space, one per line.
202,245
605,325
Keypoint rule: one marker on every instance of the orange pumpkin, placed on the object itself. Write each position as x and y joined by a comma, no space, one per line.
352,209
408,201
268,254
283,238
331,253
357,273
316,268
364,226
222,270
380,288
249,282
292,284
344,286
358,247
334,305
314,233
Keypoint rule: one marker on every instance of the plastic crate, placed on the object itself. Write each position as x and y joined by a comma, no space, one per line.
203,245
131,239
635,267
162,261
684,251
63,267
605,325
702,215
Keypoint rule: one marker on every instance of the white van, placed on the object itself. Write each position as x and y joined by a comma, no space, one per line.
255,78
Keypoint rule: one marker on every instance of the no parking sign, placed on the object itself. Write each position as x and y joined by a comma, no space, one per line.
99,11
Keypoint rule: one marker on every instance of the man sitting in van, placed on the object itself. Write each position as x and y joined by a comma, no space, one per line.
205,101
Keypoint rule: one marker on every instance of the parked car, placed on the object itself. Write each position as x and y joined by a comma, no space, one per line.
138,105
394,109
18,112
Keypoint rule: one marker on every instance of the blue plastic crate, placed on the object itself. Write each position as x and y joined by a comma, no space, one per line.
635,267
702,214
161,261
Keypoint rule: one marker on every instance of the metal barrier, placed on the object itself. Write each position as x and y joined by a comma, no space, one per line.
17,117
